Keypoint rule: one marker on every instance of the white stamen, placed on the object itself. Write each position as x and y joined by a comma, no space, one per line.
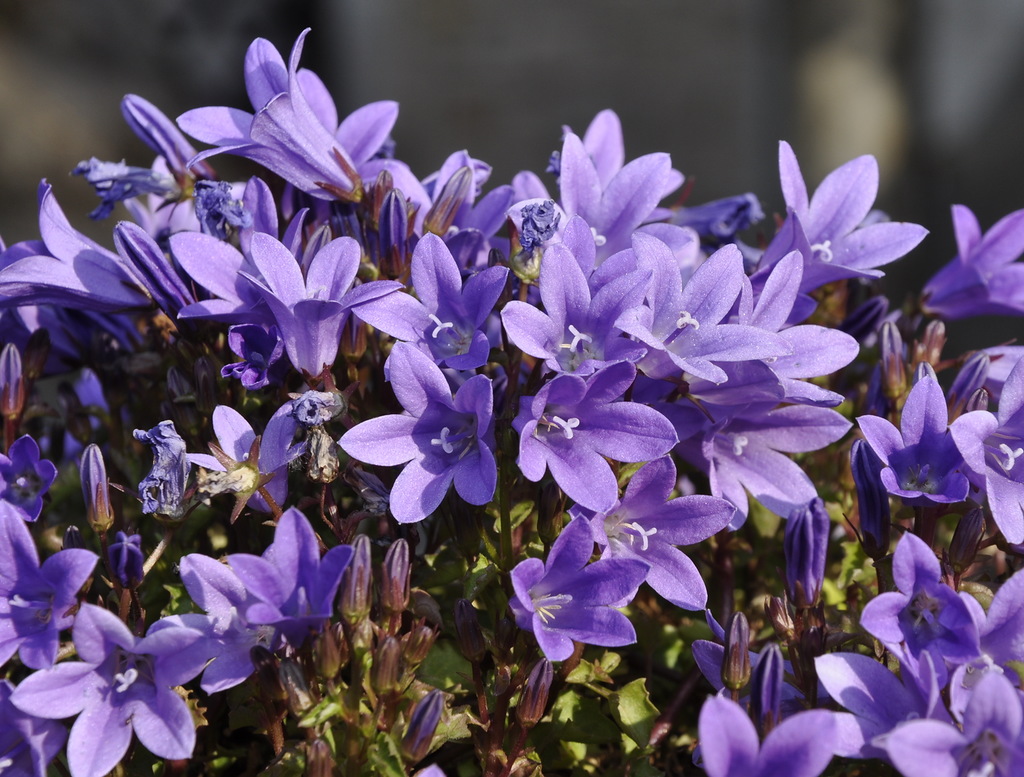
1012,454
441,325
599,240
5,763
577,336
824,249
685,319
17,601
446,446
642,533
567,426
739,442
988,769
125,680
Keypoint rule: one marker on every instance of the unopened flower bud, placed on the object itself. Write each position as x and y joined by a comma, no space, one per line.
327,651
977,401
72,539
864,320
423,722
37,351
504,639
182,397
205,375
781,618
319,759
426,607
453,194
387,669
96,490
766,689
551,514
267,677
872,499
356,585
534,698
805,545
929,348
967,536
894,368
502,680
736,666
293,680
394,233
924,370
12,384
467,628
417,643
125,555
394,591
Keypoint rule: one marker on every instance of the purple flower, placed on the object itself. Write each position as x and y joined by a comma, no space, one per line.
991,444
718,222
924,614
921,460
983,278
163,489
24,477
646,525
125,554
565,599
806,545
572,424
122,684
990,743
441,440
259,349
801,746
37,602
27,743
294,586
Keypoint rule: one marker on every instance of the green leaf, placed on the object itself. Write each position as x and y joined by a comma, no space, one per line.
480,577
576,718
634,712
444,667
326,709
856,566
179,603
384,759
291,763
764,520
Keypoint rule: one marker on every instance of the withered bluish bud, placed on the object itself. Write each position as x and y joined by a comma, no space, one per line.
356,585
766,689
319,759
736,664
967,536
534,698
293,680
387,668
872,500
267,677
12,384
894,368
781,618
806,544
455,192
96,490
417,643
72,539
37,351
467,629
423,721
394,591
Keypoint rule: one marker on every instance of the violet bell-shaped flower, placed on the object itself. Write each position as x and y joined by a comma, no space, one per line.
565,599
25,477
442,439
27,743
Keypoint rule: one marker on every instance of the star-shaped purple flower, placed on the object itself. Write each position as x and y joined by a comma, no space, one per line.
24,477
27,743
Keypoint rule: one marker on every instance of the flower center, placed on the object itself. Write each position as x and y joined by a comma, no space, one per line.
446,446
43,608
739,442
1011,454
440,325
545,606
685,319
577,338
823,250
566,426
125,679
641,533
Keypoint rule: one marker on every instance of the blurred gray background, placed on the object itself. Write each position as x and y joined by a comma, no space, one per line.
932,88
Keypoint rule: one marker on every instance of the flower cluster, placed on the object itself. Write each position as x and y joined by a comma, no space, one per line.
360,470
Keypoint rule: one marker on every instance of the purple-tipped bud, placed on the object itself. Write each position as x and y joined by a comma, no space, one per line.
150,265
720,220
534,698
872,500
780,617
929,347
467,629
296,689
894,368
736,666
73,539
417,643
96,490
423,722
967,536
388,666
267,677
805,545
924,370
977,401
356,585
972,376
319,759
125,554
865,318
766,689
394,591
12,386
327,651
159,133
394,232
456,191
37,351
